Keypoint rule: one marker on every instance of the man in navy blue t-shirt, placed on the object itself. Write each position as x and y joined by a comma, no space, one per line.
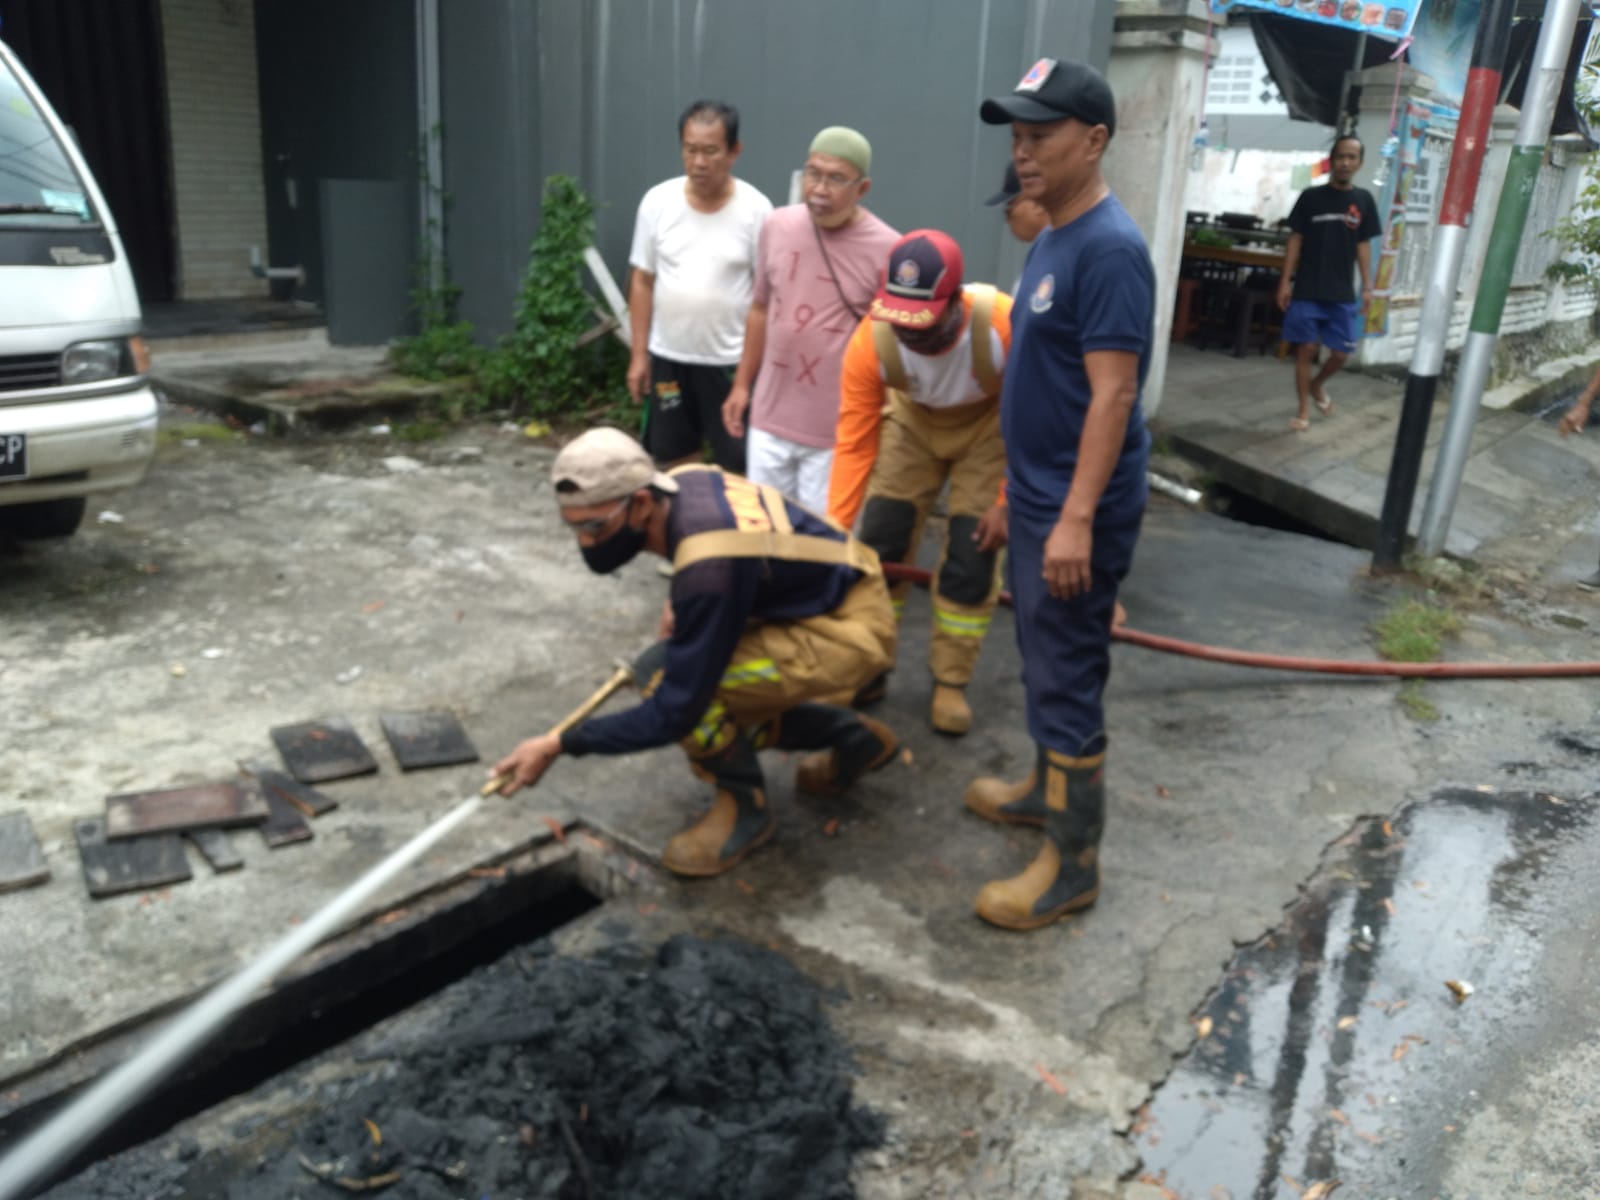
1076,448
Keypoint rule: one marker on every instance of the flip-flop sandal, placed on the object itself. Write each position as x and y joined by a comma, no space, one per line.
1325,405
1299,425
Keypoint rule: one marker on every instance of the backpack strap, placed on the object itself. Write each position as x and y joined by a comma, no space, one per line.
983,368
888,348
781,541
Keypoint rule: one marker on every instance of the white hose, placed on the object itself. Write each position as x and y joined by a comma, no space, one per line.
66,1132
1174,489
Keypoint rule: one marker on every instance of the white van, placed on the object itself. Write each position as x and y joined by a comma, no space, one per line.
77,415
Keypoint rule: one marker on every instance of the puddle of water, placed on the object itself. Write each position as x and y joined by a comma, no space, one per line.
1335,1050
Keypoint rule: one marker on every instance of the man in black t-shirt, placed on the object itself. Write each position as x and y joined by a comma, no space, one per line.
1331,229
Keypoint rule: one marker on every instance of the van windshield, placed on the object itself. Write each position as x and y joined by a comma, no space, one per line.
38,186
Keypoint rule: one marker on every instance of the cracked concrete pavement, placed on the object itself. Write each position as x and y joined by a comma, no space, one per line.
348,575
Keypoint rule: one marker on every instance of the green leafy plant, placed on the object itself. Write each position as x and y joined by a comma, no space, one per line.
1416,705
1579,231
552,361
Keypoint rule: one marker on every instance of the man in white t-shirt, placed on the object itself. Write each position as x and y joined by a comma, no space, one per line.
693,259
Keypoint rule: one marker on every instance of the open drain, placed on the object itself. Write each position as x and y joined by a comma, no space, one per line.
695,1069
1236,505
341,988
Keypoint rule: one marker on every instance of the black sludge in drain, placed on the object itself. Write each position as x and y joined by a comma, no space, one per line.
704,1069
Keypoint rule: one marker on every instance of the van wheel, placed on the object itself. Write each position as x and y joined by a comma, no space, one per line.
43,518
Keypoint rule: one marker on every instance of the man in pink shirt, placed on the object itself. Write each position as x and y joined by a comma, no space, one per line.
817,270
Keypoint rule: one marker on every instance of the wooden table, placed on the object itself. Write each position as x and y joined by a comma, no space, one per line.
1184,321
1244,256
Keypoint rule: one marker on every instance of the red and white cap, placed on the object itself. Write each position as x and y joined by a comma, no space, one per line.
924,273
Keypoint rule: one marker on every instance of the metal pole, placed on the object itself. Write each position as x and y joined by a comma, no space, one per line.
1510,219
1342,123
429,110
1444,268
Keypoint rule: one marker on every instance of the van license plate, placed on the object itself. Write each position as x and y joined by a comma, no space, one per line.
13,456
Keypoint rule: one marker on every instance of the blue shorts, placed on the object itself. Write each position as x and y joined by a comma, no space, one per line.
1336,326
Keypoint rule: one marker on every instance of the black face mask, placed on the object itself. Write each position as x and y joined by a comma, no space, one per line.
621,547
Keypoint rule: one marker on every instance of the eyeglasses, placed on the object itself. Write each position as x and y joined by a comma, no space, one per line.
595,526
833,181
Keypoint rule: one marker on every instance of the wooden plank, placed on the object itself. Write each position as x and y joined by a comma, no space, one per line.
21,860
303,796
204,806
427,739
318,751
131,865
285,822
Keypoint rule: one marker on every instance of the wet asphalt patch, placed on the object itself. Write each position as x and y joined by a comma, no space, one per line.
701,1069
1357,1040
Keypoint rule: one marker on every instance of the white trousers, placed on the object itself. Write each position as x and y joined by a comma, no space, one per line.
799,472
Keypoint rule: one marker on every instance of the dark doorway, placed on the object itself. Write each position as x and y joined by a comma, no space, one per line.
100,65
338,103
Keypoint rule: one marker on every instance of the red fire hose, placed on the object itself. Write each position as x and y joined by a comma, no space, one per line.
1322,666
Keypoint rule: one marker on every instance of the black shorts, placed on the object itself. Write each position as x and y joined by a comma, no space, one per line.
686,412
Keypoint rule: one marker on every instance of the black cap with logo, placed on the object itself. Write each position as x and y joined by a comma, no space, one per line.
1053,90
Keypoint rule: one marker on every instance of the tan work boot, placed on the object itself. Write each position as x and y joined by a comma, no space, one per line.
950,714
854,745
1065,875
1019,803
738,821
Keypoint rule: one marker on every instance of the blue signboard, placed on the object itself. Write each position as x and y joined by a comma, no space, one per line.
1390,19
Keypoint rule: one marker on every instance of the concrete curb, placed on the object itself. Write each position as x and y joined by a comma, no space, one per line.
388,398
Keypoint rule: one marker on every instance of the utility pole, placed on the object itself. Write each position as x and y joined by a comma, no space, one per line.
1527,155
1444,268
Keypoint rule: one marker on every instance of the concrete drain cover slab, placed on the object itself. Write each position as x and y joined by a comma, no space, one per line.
307,799
205,806
285,823
216,847
21,861
427,739
322,750
131,865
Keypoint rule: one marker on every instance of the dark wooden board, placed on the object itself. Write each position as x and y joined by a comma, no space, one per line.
285,823
427,739
21,860
216,848
204,806
318,751
303,796
131,865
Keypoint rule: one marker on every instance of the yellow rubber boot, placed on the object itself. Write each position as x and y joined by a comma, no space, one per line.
847,744
1020,803
738,821
950,713
1064,876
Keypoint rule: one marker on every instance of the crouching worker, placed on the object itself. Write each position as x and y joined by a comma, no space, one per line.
919,406
775,619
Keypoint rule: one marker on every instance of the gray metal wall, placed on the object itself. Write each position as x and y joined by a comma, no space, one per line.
593,88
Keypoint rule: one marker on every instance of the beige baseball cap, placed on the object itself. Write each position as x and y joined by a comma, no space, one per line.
604,464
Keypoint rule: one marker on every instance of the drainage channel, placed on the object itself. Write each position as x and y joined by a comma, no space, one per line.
344,986
1236,505
1409,1029
516,1038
